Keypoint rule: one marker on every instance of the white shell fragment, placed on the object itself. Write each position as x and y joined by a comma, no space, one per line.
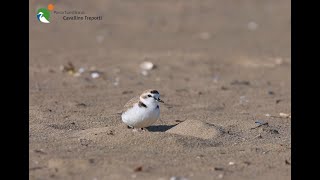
95,75
284,115
81,70
147,65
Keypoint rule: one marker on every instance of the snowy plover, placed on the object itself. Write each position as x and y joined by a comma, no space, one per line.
142,111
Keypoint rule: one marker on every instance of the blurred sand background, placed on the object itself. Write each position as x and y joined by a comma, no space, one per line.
220,67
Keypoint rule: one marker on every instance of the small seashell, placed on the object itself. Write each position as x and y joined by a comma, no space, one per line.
147,65
95,75
81,70
285,115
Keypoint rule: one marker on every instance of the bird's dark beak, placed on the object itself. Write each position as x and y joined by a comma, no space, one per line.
159,100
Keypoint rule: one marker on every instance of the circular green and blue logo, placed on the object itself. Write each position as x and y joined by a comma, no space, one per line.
43,14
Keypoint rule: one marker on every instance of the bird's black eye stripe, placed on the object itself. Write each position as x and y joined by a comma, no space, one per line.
149,95
154,92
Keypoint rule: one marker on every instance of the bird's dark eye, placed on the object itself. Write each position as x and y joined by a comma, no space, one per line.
149,95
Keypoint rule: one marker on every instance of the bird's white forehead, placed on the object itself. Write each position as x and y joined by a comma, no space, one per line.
145,95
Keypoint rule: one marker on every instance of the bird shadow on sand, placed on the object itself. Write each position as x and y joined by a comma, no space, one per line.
160,128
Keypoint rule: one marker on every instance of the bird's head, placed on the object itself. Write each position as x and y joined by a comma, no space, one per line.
150,96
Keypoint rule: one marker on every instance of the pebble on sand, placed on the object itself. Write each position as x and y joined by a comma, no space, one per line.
138,169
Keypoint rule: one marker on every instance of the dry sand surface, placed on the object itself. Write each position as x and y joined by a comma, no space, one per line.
220,67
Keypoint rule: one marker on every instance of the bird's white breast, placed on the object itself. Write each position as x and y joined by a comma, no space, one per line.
140,117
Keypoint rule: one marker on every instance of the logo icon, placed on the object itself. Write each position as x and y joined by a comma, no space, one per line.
43,14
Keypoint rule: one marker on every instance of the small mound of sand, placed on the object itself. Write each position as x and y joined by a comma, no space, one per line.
196,128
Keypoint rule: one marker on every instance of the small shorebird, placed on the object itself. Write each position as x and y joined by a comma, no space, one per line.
142,111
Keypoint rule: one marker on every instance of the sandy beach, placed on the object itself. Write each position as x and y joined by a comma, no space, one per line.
223,69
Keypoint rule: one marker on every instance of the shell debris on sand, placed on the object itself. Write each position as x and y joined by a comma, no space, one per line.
95,75
284,115
147,65
197,129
